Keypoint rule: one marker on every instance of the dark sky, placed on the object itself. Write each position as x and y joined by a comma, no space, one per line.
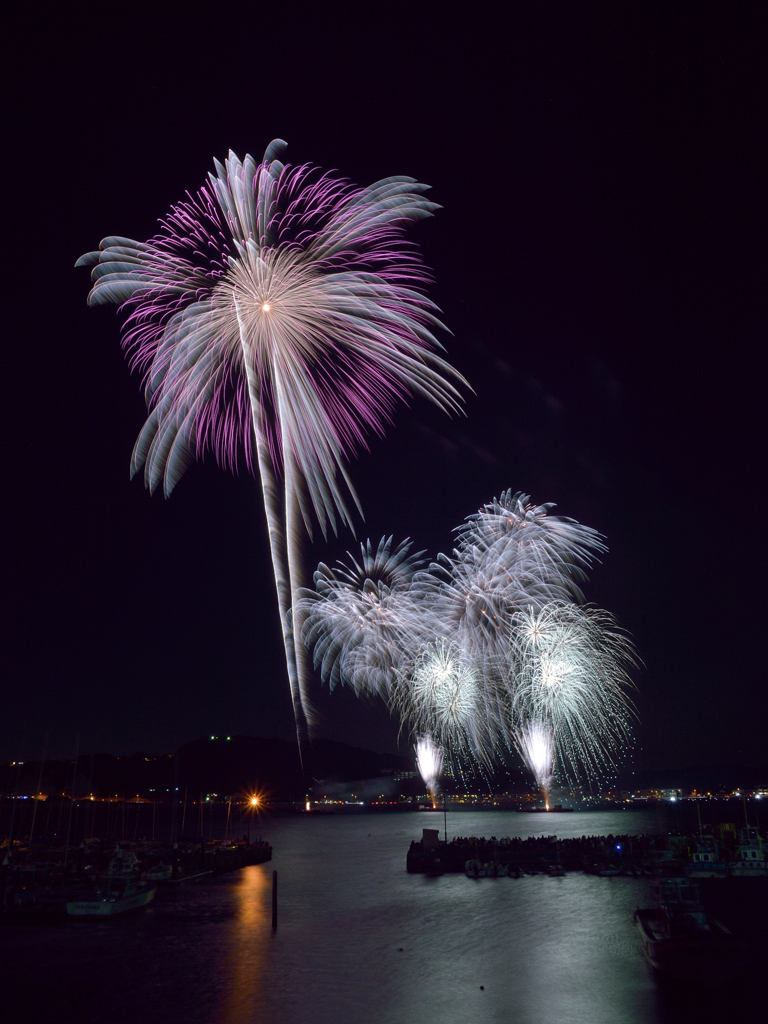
600,260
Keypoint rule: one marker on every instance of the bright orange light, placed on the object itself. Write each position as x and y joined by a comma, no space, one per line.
254,801
265,307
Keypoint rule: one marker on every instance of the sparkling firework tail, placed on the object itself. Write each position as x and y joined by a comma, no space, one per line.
536,745
429,760
277,312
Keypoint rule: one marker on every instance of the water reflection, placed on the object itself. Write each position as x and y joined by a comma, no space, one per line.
247,945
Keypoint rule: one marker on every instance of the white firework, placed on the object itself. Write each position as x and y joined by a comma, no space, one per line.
485,648
532,556
443,697
361,618
511,556
570,671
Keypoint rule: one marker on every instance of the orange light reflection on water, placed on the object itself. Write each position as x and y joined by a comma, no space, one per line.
253,894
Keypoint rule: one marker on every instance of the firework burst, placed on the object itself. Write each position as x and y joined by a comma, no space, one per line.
531,556
361,619
570,669
485,648
277,314
444,692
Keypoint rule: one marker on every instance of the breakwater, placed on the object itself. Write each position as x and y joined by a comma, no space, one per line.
614,854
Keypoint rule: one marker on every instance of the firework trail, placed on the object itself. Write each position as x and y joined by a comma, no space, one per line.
277,315
429,760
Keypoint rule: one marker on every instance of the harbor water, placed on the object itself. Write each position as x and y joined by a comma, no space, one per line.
359,939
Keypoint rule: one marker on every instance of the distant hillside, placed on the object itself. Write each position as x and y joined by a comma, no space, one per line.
239,765
225,766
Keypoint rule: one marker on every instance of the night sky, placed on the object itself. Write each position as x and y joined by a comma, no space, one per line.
599,259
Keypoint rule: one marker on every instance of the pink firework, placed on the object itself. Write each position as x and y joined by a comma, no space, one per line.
278,314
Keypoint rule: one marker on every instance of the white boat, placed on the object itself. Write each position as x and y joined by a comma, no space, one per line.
705,861
121,890
749,859
160,873
681,941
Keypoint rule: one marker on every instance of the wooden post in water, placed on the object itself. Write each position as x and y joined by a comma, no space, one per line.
274,901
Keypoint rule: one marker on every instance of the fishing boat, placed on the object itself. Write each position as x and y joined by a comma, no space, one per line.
705,861
681,941
121,889
749,859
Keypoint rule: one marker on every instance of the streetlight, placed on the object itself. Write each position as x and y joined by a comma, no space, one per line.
253,803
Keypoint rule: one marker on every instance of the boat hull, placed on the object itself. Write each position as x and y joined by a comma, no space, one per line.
749,869
111,906
707,959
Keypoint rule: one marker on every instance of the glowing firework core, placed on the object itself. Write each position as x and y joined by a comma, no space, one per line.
429,759
444,690
537,747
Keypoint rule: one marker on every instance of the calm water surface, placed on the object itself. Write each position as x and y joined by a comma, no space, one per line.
545,950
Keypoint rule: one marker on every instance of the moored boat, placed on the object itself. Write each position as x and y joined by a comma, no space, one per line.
681,941
160,873
705,861
121,890
749,859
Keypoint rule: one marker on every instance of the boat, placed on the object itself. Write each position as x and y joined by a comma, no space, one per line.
121,889
557,809
681,941
749,859
160,873
491,869
705,861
